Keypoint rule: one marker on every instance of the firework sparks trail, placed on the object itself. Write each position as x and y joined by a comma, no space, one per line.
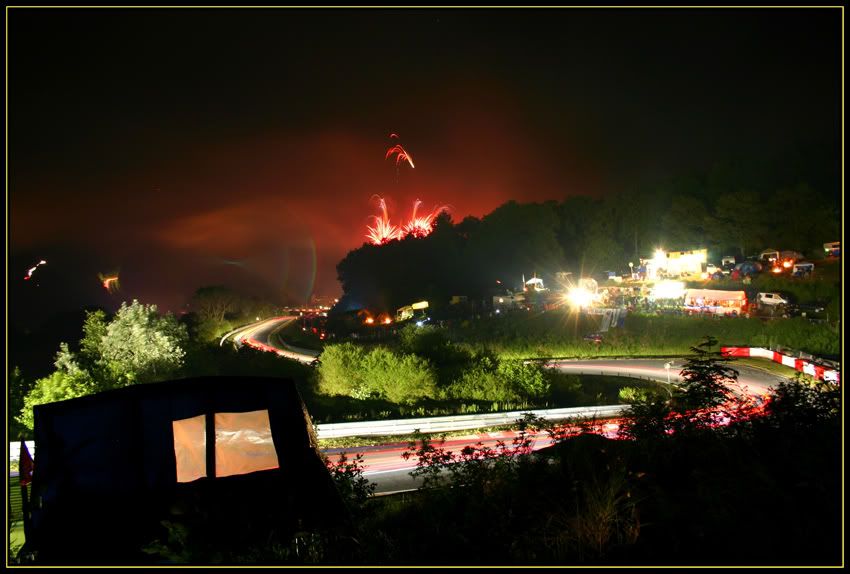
402,155
417,226
421,226
28,276
383,231
109,282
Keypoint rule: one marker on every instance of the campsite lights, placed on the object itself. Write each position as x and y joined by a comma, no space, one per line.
668,290
579,297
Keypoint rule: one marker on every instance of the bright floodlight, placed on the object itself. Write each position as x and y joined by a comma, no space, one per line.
669,290
579,297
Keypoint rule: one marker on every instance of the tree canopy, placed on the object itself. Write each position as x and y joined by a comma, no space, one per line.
729,210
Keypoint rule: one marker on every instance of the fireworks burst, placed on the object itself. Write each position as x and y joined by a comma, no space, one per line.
109,282
420,226
383,231
417,226
402,155
28,276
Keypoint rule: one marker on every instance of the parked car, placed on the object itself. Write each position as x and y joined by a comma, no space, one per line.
772,299
594,337
809,310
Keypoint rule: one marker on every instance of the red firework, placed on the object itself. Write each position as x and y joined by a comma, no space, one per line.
421,226
383,231
402,155
417,226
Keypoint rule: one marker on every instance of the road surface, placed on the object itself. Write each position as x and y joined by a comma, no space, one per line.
389,471
258,335
384,464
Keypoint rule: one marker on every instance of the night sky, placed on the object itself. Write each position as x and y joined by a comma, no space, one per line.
193,147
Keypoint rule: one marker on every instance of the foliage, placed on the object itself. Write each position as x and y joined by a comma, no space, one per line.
703,393
215,310
136,346
94,330
633,395
141,346
19,388
354,488
213,304
706,378
473,465
398,378
553,334
802,403
729,210
339,372
593,501
59,386
347,369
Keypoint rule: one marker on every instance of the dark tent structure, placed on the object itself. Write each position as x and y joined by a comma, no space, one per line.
231,460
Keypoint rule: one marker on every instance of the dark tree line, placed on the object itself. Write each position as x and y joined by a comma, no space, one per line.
725,210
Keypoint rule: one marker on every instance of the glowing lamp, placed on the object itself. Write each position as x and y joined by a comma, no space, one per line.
669,290
579,297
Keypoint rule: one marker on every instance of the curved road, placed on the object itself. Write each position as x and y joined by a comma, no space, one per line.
751,381
389,471
258,335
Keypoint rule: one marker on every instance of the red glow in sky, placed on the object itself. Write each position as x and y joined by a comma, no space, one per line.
266,197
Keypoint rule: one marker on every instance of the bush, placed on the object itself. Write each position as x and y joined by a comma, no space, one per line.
340,370
59,386
398,378
633,395
347,369
525,378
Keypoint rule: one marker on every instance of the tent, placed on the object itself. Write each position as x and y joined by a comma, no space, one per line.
239,452
715,301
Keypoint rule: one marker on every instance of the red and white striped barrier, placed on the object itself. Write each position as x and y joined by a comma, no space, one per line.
802,365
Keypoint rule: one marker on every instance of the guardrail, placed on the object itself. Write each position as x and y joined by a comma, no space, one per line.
432,424
460,422
809,367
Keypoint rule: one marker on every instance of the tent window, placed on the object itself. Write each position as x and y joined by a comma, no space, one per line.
190,448
243,443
